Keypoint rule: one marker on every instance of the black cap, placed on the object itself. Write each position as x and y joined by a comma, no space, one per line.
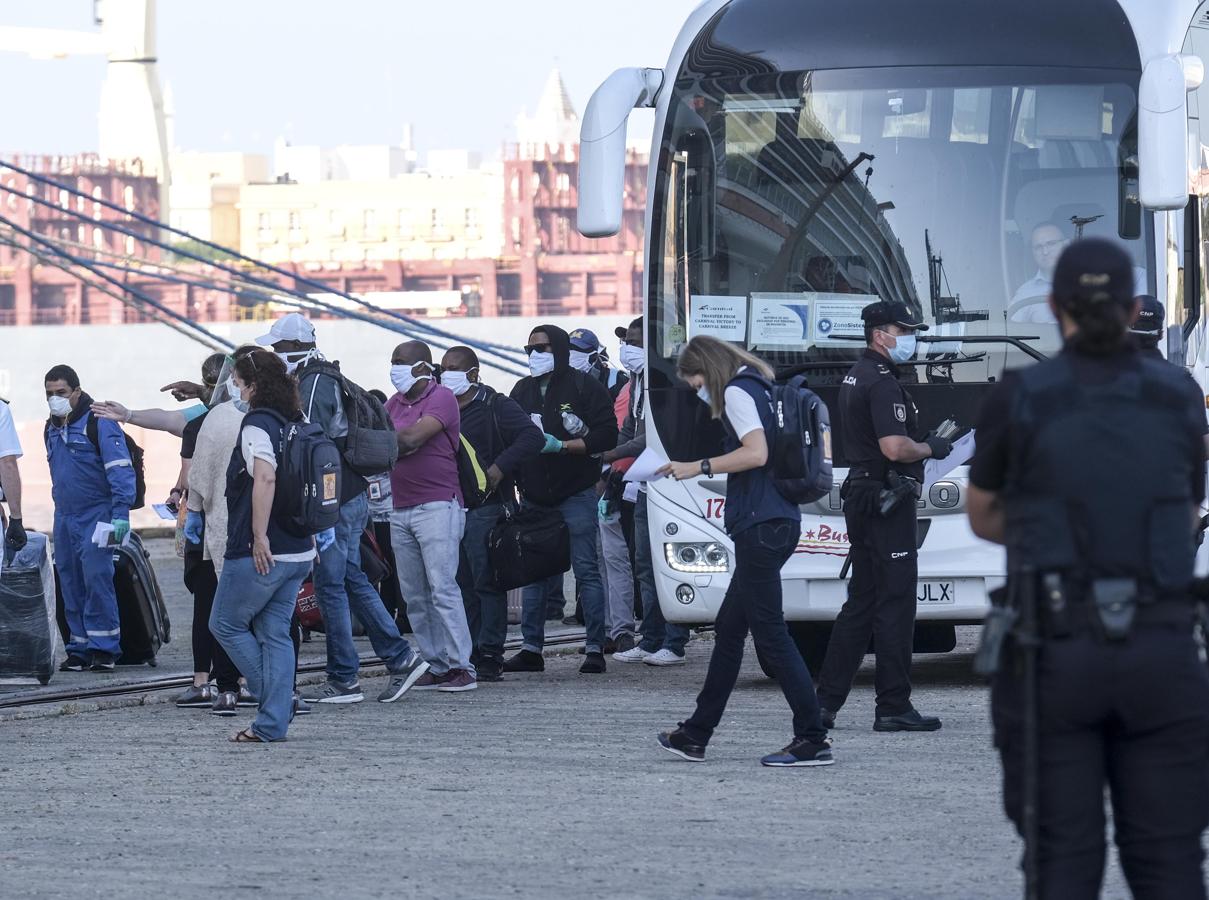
892,312
622,330
1150,316
1092,271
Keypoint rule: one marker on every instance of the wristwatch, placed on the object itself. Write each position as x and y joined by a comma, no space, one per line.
706,469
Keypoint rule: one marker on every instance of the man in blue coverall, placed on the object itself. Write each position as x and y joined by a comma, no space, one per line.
92,481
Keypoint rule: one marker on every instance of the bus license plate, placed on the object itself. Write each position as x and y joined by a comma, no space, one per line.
935,592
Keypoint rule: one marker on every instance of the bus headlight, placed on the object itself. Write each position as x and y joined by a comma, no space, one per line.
697,558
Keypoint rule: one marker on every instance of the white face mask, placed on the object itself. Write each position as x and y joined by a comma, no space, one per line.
903,349
633,358
294,359
237,396
458,382
580,360
403,379
60,407
541,364
703,393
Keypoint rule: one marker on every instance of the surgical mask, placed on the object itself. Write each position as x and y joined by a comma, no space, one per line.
458,382
294,359
633,358
703,393
541,364
236,396
403,379
241,404
903,349
60,407
580,360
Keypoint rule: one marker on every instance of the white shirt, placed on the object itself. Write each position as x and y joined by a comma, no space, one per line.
255,444
741,412
10,444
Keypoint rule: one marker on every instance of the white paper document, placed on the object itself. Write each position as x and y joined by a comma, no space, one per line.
102,535
722,317
936,469
778,320
162,510
649,462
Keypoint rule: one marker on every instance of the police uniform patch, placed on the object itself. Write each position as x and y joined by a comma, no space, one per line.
900,412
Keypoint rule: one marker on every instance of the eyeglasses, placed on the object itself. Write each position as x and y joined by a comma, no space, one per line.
1047,246
530,349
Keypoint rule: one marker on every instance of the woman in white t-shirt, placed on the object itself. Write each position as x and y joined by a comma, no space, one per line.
765,528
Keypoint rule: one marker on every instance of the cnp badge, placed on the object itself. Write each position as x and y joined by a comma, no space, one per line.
900,412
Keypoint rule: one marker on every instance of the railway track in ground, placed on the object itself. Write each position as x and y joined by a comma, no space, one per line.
180,682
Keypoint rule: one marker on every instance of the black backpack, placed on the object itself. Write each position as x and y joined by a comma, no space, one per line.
371,447
136,457
799,454
308,478
527,546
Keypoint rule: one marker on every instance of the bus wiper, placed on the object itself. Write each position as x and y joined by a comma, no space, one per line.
1017,341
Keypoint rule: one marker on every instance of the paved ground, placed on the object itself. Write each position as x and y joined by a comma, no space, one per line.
546,786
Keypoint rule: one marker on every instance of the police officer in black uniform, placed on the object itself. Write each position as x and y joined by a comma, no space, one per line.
884,479
1089,468
1147,329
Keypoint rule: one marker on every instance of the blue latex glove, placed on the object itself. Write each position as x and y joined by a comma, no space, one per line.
325,538
553,445
193,527
121,528
602,509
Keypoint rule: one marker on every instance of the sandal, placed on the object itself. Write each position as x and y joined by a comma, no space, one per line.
247,736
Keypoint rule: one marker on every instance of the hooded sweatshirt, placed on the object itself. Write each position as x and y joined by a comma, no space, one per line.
551,478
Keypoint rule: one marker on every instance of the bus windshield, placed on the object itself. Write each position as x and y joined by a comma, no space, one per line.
786,202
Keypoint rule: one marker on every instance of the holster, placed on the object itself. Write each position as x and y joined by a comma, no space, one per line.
1000,620
1114,604
899,488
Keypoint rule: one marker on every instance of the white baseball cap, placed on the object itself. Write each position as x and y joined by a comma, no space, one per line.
291,327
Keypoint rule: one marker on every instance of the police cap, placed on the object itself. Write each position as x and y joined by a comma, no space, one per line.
892,312
1093,271
1150,316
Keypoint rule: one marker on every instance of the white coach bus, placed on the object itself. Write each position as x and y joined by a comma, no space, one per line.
810,157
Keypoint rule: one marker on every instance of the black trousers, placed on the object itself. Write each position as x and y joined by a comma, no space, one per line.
881,605
1132,717
208,654
753,602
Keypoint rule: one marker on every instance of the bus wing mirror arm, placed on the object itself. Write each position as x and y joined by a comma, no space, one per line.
602,147
1165,163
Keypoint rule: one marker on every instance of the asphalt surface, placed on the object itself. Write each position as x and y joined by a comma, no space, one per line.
540,786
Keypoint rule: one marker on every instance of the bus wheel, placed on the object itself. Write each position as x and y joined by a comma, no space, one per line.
811,638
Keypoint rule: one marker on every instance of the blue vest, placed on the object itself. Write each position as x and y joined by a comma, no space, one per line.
239,497
751,496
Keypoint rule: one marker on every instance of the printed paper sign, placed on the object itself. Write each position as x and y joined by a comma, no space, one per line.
837,317
722,317
779,320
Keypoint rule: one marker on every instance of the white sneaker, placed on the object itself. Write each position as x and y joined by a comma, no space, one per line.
664,657
635,655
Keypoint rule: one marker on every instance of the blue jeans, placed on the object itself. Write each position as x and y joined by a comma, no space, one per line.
343,591
754,602
486,605
251,619
426,540
580,513
657,633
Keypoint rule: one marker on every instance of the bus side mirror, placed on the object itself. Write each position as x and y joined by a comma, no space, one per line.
1163,138
602,147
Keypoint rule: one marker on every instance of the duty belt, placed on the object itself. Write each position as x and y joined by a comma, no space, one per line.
1111,607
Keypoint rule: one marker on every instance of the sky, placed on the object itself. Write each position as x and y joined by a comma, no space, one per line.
245,72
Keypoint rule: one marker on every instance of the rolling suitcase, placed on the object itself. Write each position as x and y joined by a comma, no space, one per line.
30,645
141,610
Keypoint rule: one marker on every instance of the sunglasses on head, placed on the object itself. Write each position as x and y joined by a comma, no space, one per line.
530,349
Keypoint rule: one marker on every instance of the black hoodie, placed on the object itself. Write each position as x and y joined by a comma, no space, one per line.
551,478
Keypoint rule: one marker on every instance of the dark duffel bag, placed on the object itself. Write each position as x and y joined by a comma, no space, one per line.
28,638
141,610
526,546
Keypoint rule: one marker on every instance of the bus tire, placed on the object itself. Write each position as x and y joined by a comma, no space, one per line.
811,639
